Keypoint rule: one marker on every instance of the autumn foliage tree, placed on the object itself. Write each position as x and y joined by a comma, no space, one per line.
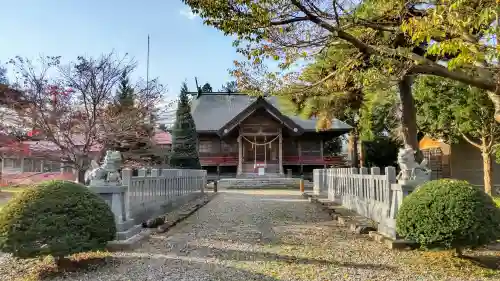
334,86
459,113
69,105
444,38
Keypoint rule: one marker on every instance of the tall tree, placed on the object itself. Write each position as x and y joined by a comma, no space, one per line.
184,153
206,88
457,112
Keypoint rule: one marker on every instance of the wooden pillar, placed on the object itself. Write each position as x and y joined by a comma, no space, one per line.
3,164
300,157
22,164
321,142
240,150
281,152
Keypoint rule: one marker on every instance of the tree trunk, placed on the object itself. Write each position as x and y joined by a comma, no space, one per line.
487,171
361,154
353,148
80,177
409,116
81,169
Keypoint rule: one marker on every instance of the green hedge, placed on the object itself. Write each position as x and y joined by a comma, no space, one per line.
449,214
57,218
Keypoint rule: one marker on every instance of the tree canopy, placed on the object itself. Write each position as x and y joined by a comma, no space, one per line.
417,36
456,112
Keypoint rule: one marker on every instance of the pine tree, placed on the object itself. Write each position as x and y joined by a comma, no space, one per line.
3,75
207,88
125,95
184,153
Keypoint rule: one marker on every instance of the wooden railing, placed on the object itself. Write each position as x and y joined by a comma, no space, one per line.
326,160
287,160
218,160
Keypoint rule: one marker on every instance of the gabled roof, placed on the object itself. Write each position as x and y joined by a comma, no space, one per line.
212,111
259,103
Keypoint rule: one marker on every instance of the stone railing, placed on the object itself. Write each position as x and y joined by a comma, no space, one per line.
153,189
150,194
367,192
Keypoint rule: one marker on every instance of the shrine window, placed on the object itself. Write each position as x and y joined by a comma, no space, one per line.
229,147
311,147
205,146
12,163
51,166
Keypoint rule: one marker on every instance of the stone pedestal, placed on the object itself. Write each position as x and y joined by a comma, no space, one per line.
114,195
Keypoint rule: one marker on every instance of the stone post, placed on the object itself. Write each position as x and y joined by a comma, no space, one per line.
281,153
322,153
240,150
108,184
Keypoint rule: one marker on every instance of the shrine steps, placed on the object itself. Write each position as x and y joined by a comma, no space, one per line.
264,182
256,175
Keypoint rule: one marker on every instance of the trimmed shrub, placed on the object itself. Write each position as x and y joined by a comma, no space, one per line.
57,218
449,214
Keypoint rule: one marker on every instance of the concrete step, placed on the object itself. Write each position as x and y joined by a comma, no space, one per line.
256,175
259,182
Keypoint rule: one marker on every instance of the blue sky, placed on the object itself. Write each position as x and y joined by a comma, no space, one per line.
181,46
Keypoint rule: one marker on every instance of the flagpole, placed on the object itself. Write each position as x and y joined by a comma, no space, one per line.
147,79
147,69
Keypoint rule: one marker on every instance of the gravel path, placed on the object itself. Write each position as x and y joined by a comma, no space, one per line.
260,235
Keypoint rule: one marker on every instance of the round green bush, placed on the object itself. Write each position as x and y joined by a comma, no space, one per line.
449,214
57,218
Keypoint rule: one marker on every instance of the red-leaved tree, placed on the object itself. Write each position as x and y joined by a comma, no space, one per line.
68,106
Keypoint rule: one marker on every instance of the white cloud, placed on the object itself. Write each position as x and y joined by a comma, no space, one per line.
188,14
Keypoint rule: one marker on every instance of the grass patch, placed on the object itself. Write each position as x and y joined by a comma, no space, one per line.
475,263
6,193
13,189
43,268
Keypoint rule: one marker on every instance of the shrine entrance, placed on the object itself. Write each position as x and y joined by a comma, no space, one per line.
260,149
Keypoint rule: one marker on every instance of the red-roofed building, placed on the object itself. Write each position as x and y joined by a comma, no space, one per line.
33,161
162,138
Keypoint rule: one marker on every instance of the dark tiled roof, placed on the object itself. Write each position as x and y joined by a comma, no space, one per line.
212,111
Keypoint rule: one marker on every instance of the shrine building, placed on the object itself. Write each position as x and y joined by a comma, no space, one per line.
242,135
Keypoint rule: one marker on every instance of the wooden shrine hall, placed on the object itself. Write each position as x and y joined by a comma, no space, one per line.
241,135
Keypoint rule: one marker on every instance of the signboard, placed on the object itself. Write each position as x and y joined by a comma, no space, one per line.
261,171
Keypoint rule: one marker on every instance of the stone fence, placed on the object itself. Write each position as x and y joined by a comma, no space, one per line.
365,191
150,194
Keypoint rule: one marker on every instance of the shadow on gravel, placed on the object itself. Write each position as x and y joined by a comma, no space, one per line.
238,255
167,267
488,262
